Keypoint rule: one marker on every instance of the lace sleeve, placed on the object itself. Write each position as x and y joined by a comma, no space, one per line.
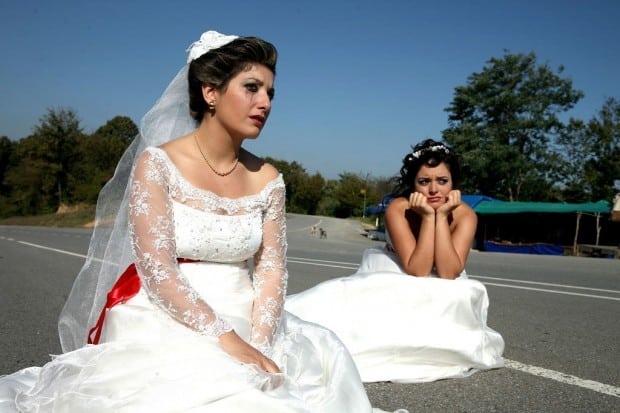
270,274
153,243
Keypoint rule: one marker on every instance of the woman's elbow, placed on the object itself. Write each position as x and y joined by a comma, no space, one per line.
418,272
450,273
450,276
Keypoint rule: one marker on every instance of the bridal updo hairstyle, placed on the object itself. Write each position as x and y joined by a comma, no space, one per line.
218,66
430,153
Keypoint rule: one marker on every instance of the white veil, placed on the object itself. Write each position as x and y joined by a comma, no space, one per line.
109,252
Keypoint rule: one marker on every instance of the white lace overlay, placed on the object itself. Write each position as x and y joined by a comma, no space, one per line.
163,343
170,219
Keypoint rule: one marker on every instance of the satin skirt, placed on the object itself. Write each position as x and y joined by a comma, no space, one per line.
402,328
147,362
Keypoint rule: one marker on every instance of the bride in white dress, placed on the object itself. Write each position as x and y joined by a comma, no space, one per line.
189,327
410,313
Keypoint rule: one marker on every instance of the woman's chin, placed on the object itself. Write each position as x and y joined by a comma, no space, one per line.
436,205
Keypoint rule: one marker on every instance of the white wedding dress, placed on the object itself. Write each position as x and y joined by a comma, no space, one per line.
159,350
402,328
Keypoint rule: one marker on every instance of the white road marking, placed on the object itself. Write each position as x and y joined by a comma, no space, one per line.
564,378
534,370
313,260
52,249
349,265
548,284
318,264
520,287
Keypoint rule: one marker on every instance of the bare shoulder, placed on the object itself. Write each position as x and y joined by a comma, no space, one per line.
397,206
464,213
261,172
179,149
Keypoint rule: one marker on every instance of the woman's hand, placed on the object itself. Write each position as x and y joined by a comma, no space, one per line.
453,201
241,351
419,205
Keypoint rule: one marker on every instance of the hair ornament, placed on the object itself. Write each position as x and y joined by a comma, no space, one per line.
209,40
434,148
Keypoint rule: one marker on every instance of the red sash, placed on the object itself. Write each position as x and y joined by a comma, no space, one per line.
127,286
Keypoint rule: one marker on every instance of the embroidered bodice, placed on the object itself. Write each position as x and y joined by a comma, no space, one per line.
171,219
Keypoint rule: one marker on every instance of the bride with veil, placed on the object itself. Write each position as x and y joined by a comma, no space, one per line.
410,313
166,314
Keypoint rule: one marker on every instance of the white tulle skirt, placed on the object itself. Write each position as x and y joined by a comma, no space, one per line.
401,328
149,363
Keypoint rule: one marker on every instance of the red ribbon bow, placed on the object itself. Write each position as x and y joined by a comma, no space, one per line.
127,286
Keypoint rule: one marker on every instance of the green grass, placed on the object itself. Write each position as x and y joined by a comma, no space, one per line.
83,217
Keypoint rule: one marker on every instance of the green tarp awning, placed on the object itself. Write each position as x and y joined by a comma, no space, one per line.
502,207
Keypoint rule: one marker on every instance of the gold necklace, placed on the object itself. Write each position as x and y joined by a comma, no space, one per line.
209,163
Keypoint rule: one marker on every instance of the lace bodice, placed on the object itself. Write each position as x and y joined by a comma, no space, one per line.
171,219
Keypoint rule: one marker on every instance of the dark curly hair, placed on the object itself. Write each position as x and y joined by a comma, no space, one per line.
218,66
430,153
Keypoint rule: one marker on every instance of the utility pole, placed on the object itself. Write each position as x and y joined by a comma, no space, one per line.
363,191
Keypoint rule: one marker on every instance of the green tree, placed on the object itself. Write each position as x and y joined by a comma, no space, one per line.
100,153
350,193
592,155
32,185
329,203
303,192
505,123
7,160
39,179
110,141
6,153
119,127
292,173
571,174
308,194
604,167
58,136
382,186
344,197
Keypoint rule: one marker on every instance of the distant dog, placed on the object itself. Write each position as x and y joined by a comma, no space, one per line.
323,233
313,231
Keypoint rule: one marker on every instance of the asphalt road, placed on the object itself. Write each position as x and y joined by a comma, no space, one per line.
559,316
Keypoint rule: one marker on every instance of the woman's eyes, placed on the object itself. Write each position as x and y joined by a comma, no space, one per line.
252,87
441,181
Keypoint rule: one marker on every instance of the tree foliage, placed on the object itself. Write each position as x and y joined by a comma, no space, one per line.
59,164
119,128
303,192
40,179
348,196
313,195
101,152
591,161
7,148
505,123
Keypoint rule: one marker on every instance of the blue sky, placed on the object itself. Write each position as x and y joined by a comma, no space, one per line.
358,82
